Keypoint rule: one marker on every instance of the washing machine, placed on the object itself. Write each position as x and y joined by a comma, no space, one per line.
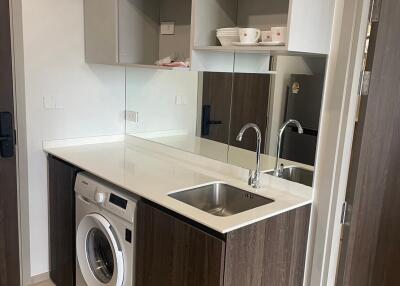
105,233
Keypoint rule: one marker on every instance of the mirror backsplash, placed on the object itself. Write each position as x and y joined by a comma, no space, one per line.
203,112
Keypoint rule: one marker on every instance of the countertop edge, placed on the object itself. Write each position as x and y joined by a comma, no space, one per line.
52,150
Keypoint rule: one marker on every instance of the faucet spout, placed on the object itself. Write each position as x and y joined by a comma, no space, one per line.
278,171
254,179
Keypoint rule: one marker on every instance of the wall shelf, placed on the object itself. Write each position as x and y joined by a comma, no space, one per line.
156,67
268,50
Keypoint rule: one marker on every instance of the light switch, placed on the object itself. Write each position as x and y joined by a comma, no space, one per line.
59,102
132,116
49,102
53,102
167,28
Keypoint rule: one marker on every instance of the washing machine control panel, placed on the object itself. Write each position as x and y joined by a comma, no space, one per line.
106,196
118,201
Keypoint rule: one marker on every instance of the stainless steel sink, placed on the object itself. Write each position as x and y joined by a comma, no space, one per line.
297,174
221,199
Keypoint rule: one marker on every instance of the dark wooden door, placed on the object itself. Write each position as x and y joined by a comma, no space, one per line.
62,222
370,251
231,100
216,106
9,239
250,99
171,252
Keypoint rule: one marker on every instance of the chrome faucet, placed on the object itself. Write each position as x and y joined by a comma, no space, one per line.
278,171
254,178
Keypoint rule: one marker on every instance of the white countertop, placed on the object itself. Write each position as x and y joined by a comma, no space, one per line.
153,171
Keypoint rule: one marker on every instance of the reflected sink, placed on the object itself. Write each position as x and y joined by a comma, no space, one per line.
297,175
221,199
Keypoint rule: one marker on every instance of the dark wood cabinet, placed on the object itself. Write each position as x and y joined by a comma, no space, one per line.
269,253
172,251
62,221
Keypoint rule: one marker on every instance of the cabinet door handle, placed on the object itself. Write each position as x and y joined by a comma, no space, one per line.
6,135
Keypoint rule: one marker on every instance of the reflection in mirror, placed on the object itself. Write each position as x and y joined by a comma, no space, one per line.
204,112
162,106
293,92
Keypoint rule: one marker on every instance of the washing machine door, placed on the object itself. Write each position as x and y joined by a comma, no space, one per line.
99,255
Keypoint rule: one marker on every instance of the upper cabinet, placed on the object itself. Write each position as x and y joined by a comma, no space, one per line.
128,32
309,23
140,32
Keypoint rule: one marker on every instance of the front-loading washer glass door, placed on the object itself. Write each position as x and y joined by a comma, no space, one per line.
99,254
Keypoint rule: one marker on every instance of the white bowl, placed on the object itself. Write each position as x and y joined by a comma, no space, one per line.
228,40
228,33
228,30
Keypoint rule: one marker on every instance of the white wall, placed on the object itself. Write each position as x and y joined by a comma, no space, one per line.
153,94
91,99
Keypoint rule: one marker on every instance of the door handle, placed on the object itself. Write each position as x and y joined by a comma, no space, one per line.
214,122
6,135
206,121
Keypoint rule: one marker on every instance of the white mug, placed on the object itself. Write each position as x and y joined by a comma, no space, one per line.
279,34
266,36
249,35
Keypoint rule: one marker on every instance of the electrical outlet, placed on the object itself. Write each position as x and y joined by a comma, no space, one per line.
53,102
167,28
132,116
180,100
59,102
49,102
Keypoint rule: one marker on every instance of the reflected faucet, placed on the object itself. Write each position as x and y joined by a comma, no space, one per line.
278,171
254,178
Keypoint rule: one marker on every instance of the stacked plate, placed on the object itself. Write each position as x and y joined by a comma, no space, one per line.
227,36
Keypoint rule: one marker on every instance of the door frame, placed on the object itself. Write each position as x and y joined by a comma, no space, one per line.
369,229
338,117
21,147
